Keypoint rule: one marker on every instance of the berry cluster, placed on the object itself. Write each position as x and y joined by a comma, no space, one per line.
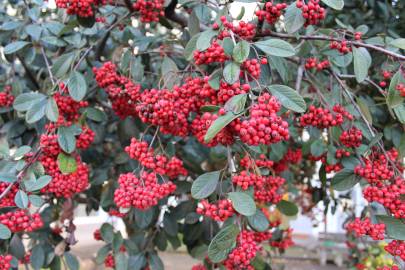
109,261
5,262
324,118
396,248
341,153
81,8
140,151
270,190
219,211
214,54
313,62
285,241
21,221
243,30
261,162
201,267
365,227
386,78
271,12
141,193
246,179
357,35
340,46
246,249
394,267
291,157
263,126
150,10
312,12
122,92
389,196
97,235
6,98
8,199
377,167
226,91
200,126
351,137
68,107
252,67
401,89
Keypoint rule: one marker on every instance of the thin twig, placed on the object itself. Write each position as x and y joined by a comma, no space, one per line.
48,67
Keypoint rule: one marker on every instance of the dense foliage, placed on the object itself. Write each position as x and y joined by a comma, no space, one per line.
199,127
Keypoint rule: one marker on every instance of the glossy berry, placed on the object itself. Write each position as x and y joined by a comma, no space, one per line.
21,221
364,227
214,54
351,137
218,211
6,98
271,12
312,11
150,10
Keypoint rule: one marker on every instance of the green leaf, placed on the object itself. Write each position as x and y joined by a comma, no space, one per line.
241,51
71,261
318,148
231,72
394,228
15,46
37,258
205,185
215,79
169,72
223,243
107,232
21,199
36,112
155,262
293,18
193,24
87,22
102,253
243,203
41,182
25,101
400,113
288,97
335,4
34,30
259,221
137,262
36,200
66,139
399,43
7,177
144,218
5,232
276,47
236,104
77,86
362,62
218,125
204,40
96,115
227,45
51,110
344,180
22,151
364,108
394,98
62,65
190,47
121,261
287,208
67,164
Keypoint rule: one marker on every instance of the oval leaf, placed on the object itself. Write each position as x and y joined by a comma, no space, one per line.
21,199
223,243
77,86
218,125
205,185
288,97
335,4
231,72
15,46
344,180
5,232
67,164
287,208
243,203
276,47
241,51
362,62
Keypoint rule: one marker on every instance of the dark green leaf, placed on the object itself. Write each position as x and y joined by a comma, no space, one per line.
52,111
96,114
394,98
36,200
107,232
241,51
394,228
7,177
399,43
37,258
293,18
243,203
288,97
15,46
41,182
362,62
71,261
190,47
25,101
287,208
231,72
335,4
223,243
259,221
137,262
204,40
121,261
276,47
155,262
21,199
318,148
5,232
205,185
344,180
236,104
219,124
66,139
62,65
77,86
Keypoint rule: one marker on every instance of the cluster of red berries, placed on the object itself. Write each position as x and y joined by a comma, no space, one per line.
262,162
81,8
226,91
351,137
141,193
243,30
377,167
246,249
6,98
331,167
5,262
150,10
271,12
270,190
291,157
214,54
312,12
263,126
396,248
219,211
386,78
140,151
21,221
8,199
341,153
341,46
324,118
109,261
198,267
394,267
389,196
313,62
97,235
116,213
246,179
357,35
252,67
200,126
69,109
122,92
365,227
285,241
401,89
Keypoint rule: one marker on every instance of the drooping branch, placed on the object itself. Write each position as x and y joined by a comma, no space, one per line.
28,72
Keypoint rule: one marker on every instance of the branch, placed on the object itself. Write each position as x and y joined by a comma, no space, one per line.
28,72
355,43
171,14
129,5
47,66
